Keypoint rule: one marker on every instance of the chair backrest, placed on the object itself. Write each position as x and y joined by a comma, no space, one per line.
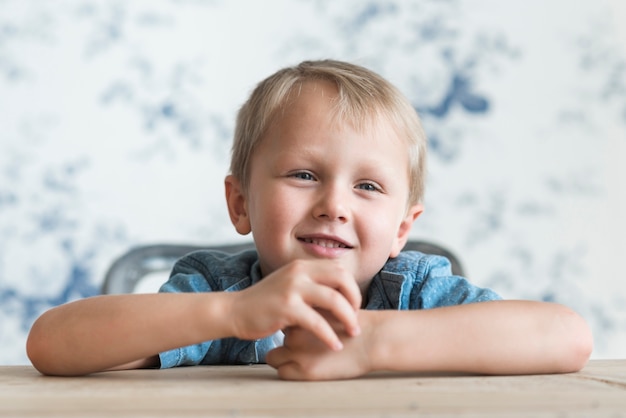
128,270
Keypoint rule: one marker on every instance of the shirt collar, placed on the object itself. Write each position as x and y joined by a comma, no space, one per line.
386,291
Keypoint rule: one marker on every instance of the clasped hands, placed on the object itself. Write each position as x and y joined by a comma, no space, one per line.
317,305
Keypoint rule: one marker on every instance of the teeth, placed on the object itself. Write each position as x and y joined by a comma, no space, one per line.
326,243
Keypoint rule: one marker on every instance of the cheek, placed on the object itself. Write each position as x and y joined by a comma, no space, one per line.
380,229
269,213
381,218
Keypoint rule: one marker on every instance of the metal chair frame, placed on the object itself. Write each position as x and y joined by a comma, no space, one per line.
129,269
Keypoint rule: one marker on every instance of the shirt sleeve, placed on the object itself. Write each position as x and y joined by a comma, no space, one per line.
186,278
436,286
206,272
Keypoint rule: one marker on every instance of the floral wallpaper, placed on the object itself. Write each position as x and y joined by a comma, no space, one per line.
116,119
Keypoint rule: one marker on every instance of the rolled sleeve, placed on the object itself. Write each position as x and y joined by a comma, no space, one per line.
207,271
439,287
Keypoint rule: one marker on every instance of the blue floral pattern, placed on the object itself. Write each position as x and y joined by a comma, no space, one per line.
116,119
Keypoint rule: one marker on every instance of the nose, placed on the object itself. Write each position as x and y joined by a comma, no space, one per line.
332,204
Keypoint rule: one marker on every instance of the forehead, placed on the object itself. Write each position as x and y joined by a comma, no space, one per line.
312,123
321,100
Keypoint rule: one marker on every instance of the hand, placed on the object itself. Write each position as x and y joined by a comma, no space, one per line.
291,297
305,357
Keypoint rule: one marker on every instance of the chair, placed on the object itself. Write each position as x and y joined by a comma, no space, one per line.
128,270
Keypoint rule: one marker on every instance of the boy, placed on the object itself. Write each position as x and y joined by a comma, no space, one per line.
327,174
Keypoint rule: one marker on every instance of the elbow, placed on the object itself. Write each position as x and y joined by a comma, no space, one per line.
576,341
34,349
37,350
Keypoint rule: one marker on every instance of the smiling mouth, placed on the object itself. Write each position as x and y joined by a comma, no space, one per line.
326,243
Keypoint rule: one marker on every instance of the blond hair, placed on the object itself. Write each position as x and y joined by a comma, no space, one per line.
363,96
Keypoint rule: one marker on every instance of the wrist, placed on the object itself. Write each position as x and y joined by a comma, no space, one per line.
377,345
228,313
375,349
217,313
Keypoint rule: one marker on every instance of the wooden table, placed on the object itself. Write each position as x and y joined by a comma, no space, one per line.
255,391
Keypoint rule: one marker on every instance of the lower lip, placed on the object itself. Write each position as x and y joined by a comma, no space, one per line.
324,252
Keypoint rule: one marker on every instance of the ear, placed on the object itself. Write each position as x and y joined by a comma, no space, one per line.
404,229
237,205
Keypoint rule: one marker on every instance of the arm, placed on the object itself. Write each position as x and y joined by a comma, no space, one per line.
121,331
127,331
499,337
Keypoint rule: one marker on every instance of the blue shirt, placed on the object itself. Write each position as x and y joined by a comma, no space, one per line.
412,280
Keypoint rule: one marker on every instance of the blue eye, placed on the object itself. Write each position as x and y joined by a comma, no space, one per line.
303,175
369,187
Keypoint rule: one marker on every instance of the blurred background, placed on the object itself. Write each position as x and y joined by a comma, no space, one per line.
116,120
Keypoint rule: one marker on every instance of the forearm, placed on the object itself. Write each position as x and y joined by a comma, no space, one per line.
105,332
503,337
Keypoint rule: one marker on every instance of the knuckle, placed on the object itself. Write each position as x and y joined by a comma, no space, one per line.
337,300
311,371
291,299
296,267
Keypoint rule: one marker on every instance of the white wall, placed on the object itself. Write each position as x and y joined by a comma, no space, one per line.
116,119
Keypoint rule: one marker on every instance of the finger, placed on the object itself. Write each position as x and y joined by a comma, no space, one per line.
292,371
311,320
287,331
334,276
281,359
302,339
278,357
323,297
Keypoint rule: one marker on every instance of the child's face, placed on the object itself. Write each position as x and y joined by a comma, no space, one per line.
321,190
